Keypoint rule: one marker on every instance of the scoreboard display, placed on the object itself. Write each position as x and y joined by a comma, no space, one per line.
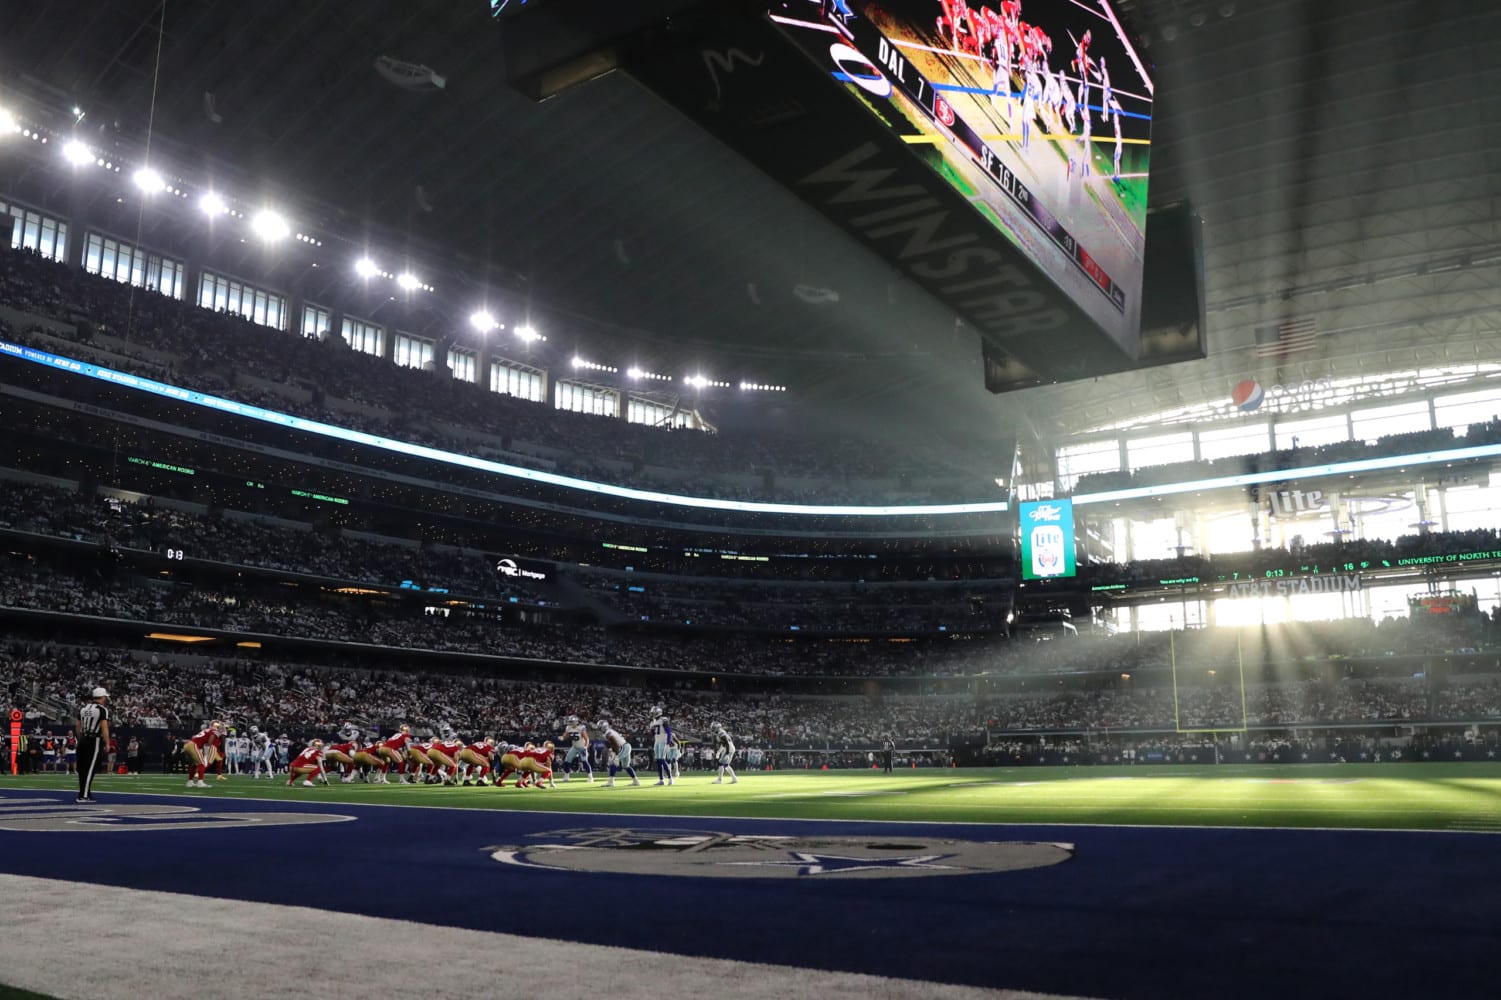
1038,112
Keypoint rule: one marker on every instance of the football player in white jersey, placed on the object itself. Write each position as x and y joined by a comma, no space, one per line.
576,735
674,754
233,752
661,739
724,753
619,751
260,751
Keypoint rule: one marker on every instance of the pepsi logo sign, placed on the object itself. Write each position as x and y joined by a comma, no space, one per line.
1247,395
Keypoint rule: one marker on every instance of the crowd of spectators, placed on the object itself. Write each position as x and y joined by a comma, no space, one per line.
336,556
264,543
178,691
223,597
910,608
340,556
233,603
159,337
1226,707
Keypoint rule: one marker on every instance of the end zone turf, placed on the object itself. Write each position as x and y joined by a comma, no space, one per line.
1130,912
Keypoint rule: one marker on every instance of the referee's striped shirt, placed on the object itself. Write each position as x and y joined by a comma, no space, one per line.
90,718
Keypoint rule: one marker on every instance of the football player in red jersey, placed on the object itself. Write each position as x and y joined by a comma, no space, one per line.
307,764
510,761
394,751
537,762
443,753
418,760
201,749
343,755
475,760
366,757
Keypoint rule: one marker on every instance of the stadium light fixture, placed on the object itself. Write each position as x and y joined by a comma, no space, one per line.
8,123
270,226
149,181
77,153
634,372
366,268
529,333
483,322
212,205
408,281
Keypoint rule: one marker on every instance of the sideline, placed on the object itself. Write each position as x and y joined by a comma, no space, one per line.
285,956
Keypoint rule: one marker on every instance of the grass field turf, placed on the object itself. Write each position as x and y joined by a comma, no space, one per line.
1408,796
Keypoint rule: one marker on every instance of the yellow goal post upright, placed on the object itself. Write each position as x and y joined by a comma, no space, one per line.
1240,663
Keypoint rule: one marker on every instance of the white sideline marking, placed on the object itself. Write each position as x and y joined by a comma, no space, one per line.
48,947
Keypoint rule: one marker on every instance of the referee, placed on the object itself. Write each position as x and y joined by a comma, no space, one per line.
93,737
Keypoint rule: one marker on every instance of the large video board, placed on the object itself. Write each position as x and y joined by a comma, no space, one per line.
1037,112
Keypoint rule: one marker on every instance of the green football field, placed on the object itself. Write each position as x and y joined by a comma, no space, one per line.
1406,796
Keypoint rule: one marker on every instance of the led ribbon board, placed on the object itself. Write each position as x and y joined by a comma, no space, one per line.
135,382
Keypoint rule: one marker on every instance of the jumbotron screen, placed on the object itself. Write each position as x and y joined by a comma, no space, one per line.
1038,111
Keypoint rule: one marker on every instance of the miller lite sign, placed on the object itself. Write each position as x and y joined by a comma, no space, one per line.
1047,539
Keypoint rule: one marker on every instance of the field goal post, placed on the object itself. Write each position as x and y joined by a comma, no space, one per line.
1240,664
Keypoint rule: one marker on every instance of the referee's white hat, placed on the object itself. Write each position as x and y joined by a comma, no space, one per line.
100,693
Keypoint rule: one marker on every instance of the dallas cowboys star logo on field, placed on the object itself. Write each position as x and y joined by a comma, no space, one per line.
828,864
731,855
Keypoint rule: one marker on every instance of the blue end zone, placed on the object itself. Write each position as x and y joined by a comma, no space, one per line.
1136,912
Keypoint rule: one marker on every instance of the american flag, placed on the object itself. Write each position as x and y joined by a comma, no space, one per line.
1290,337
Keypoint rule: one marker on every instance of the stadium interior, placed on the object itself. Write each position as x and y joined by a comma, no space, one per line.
347,386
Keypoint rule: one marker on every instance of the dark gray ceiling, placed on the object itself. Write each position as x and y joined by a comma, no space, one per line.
1342,153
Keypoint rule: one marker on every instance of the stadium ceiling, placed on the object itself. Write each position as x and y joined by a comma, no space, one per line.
1341,152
